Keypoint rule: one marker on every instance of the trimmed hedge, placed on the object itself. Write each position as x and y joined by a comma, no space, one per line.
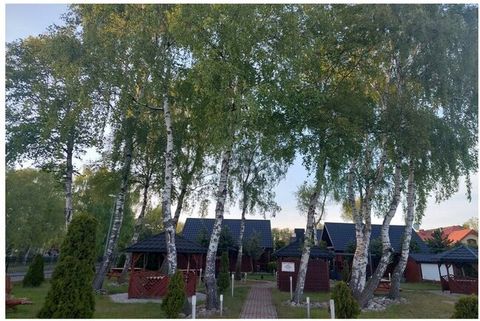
346,307
466,308
34,276
71,293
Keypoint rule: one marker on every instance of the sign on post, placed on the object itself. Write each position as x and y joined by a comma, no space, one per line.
288,267
291,289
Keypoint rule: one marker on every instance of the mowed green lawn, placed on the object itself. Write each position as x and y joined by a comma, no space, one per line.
106,309
422,303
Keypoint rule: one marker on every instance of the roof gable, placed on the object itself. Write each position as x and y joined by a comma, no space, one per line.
459,235
341,235
194,226
459,254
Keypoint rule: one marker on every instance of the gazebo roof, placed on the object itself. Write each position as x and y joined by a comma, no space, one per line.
156,244
294,249
459,254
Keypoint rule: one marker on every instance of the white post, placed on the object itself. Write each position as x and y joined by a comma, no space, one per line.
221,304
194,306
233,284
200,278
332,309
308,307
291,289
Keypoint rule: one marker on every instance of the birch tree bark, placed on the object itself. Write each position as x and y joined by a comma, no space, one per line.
387,250
167,190
210,282
307,244
407,235
238,264
118,214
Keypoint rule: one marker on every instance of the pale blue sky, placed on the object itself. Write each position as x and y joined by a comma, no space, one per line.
23,20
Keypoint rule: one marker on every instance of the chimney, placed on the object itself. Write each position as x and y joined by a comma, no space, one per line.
299,234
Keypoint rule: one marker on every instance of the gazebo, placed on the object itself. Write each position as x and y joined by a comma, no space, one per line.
151,281
464,275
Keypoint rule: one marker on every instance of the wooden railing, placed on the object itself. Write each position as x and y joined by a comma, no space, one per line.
153,284
456,284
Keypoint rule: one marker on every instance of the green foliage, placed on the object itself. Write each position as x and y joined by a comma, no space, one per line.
71,293
95,192
346,272
271,266
203,237
281,237
175,298
224,276
226,239
323,245
34,276
466,308
34,209
438,243
345,305
252,246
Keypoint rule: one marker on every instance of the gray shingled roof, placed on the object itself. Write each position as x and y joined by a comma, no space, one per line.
295,248
156,244
194,226
343,234
459,254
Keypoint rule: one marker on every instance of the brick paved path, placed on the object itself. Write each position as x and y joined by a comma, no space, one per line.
258,304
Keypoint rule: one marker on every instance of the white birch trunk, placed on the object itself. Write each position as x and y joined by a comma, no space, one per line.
407,235
387,250
167,190
238,265
69,183
307,244
118,216
210,282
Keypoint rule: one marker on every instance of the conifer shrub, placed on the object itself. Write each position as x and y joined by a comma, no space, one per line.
466,308
71,293
34,276
346,307
271,266
346,272
175,298
223,277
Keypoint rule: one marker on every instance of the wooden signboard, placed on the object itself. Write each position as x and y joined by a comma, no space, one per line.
288,267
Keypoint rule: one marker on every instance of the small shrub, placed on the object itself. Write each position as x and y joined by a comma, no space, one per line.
466,308
71,293
34,276
174,301
223,277
346,272
346,307
271,266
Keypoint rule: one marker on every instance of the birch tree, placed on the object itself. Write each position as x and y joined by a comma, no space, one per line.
54,112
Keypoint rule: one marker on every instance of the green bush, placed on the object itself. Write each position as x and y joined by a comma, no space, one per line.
346,307
34,276
223,277
466,308
71,293
346,272
174,301
271,266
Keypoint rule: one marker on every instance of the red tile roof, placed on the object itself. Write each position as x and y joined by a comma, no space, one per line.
454,233
457,236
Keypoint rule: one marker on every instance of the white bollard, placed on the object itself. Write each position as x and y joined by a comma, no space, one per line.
200,278
233,283
291,289
308,307
221,304
194,306
332,309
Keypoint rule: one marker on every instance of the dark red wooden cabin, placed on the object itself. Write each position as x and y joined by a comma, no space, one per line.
288,263
151,281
